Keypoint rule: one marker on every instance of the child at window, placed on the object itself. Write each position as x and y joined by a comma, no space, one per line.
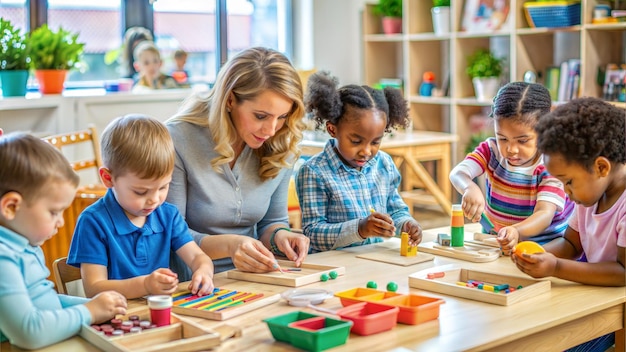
349,192
179,73
148,65
123,240
36,185
523,200
584,146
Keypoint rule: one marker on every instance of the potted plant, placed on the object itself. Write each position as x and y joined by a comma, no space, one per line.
14,59
441,16
53,54
391,13
484,69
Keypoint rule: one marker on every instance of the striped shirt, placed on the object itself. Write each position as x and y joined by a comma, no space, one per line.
334,197
512,192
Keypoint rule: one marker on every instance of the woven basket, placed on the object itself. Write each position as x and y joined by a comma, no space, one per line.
552,14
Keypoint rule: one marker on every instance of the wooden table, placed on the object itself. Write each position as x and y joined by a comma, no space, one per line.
570,314
408,151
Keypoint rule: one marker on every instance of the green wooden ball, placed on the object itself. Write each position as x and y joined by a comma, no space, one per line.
372,284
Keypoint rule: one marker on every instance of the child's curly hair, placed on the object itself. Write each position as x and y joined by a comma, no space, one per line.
583,130
326,102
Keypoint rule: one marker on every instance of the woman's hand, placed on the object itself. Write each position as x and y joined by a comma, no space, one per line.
251,255
294,245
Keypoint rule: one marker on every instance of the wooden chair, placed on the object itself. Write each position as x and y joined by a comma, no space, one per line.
63,274
82,149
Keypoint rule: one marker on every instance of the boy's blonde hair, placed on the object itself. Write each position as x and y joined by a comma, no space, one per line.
29,165
246,76
137,144
146,46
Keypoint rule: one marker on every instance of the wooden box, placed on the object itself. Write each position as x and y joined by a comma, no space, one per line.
180,335
308,273
450,284
240,303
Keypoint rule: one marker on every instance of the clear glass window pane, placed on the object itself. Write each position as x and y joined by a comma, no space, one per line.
190,25
99,24
14,11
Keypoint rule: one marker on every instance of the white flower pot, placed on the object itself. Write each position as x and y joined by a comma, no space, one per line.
441,19
486,87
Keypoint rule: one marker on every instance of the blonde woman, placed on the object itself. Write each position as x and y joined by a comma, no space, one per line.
235,149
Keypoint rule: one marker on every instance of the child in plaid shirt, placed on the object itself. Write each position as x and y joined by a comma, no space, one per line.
349,192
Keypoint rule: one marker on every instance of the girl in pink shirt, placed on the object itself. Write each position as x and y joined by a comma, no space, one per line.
584,146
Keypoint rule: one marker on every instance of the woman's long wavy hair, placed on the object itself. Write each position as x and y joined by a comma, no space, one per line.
246,76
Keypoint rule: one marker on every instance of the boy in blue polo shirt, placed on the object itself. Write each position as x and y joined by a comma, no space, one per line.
122,242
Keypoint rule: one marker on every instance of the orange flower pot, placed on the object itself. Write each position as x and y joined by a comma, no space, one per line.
51,81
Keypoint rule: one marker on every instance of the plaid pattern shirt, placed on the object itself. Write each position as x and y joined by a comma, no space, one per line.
334,197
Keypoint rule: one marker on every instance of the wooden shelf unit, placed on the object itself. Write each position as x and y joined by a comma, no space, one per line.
418,49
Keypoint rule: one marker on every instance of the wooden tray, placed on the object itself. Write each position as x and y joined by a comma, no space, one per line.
180,335
470,252
310,273
392,256
259,299
484,239
448,284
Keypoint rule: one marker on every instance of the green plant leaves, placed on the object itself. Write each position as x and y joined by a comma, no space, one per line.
14,47
52,50
388,8
483,64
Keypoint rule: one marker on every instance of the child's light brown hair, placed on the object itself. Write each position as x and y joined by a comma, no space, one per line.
137,144
146,46
29,166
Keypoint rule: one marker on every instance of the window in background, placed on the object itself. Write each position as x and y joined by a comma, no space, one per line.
14,11
190,25
99,24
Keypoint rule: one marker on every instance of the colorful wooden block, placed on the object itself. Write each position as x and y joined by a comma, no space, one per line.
406,249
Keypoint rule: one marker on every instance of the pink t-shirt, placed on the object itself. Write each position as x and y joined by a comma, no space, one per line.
601,234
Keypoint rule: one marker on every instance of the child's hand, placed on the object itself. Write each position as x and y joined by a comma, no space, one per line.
376,225
162,281
201,282
414,230
507,238
473,203
105,306
536,265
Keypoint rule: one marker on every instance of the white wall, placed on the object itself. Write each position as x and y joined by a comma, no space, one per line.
337,41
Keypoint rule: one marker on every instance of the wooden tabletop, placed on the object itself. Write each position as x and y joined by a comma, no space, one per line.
570,314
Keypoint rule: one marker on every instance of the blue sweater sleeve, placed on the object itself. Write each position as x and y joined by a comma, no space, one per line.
29,325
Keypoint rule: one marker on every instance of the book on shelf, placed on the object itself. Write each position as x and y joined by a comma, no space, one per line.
569,80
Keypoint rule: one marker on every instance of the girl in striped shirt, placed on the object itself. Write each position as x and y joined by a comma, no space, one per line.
522,199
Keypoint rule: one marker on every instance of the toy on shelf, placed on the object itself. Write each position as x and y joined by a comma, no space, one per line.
428,84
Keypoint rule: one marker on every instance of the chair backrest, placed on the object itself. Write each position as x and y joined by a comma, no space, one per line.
63,274
79,158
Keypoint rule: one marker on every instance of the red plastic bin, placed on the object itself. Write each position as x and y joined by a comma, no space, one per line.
370,318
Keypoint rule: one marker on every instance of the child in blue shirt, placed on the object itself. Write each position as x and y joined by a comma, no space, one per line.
123,240
349,192
36,185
